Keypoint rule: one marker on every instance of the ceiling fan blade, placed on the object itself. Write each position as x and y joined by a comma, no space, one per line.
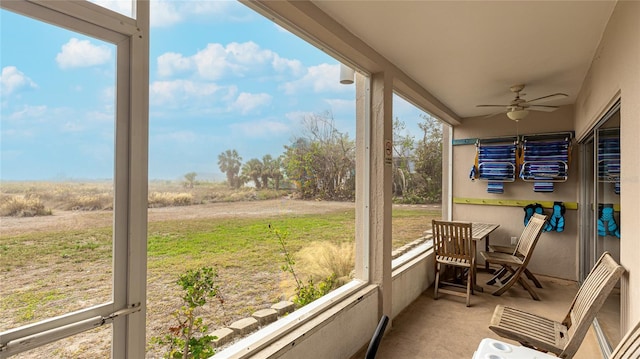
549,97
542,108
493,106
495,113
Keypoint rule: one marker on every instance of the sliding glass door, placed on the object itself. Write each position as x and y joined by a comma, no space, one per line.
600,212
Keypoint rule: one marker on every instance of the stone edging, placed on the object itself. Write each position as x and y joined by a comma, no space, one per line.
244,326
407,247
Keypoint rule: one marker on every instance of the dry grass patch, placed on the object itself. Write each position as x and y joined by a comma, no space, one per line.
90,202
320,260
167,199
23,206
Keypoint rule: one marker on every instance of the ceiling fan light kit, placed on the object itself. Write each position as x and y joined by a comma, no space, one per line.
517,115
519,108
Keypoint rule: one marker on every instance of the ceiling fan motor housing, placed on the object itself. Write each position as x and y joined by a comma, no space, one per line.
519,108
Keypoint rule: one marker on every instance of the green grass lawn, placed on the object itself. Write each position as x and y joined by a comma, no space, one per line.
221,241
52,273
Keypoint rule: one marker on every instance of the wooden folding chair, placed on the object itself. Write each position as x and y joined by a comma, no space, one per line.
452,244
561,338
499,274
514,251
515,264
629,346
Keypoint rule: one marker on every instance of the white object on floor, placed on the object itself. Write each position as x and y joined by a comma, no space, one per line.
495,349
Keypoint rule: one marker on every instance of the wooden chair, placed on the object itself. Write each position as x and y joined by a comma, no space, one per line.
452,244
499,274
515,264
561,338
513,250
629,346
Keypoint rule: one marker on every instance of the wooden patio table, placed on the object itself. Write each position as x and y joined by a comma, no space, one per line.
480,231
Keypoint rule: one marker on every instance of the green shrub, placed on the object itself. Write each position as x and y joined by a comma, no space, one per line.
188,338
305,293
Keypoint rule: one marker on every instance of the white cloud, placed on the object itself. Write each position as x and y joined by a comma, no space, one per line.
13,79
172,63
124,7
247,102
29,112
341,105
217,61
171,93
261,128
318,79
286,65
165,13
211,63
82,53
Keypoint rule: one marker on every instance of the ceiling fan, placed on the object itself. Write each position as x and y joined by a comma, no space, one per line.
519,108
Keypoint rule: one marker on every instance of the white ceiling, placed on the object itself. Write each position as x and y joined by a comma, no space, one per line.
470,52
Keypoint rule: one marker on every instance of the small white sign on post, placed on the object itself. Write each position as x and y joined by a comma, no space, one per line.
388,152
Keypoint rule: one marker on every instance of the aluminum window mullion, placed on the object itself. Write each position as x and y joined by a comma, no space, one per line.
94,14
45,14
130,178
129,340
101,310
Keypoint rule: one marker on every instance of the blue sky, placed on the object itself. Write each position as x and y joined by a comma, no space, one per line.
221,77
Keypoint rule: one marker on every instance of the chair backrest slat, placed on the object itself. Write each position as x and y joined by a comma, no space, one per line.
629,346
530,234
452,239
590,297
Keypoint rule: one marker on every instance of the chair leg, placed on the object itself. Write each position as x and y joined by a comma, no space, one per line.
497,275
512,279
469,286
435,293
528,288
532,278
471,278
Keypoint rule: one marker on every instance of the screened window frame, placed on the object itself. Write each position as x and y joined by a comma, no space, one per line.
126,309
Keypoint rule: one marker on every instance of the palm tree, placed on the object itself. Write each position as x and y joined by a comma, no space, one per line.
253,169
275,171
229,162
267,164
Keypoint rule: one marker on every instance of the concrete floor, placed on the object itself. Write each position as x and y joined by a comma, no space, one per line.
446,328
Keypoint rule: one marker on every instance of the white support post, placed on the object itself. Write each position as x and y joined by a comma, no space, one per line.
381,187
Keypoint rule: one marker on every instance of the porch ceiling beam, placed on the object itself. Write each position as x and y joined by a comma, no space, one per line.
306,20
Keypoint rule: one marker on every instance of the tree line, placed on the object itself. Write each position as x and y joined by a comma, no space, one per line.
320,163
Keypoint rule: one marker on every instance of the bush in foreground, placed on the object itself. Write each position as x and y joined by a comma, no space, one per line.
188,338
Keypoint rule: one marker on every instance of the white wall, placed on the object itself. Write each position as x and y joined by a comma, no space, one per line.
556,254
616,70
411,280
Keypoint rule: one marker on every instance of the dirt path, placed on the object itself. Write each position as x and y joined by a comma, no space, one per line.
64,220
